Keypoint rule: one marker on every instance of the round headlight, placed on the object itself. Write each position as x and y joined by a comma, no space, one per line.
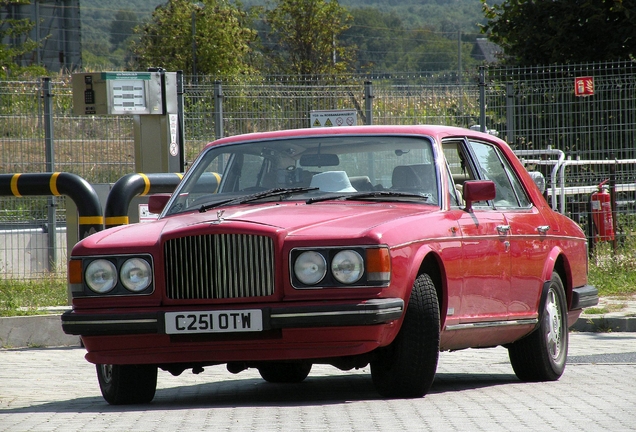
101,276
347,266
136,274
310,267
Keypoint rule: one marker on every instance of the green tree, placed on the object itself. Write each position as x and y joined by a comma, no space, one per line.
428,50
222,38
378,37
535,32
121,28
17,31
307,36
385,44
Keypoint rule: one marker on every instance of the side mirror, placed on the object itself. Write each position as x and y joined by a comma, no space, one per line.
478,190
157,202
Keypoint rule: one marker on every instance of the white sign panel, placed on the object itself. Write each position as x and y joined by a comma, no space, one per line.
333,118
174,146
145,215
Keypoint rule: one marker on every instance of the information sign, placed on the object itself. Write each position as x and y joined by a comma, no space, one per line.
333,118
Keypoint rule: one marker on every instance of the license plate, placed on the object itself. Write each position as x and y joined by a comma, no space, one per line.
249,320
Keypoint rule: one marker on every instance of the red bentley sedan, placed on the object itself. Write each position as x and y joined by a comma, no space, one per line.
349,246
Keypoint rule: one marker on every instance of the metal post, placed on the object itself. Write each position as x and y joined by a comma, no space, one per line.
510,112
459,57
368,102
180,117
218,110
612,191
482,98
51,226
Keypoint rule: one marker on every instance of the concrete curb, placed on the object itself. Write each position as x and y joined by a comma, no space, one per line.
46,330
34,331
605,323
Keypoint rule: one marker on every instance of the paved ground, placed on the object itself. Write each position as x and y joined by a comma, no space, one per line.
51,389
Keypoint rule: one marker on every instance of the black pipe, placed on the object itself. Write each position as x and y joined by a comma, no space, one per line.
130,186
75,187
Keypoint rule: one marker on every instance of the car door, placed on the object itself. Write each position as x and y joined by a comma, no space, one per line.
485,246
529,247
526,231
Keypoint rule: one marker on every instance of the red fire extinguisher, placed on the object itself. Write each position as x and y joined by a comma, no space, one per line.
602,213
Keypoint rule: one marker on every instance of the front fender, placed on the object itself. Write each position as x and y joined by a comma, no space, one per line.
427,258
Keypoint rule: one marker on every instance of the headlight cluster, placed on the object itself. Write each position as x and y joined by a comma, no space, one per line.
110,275
328,267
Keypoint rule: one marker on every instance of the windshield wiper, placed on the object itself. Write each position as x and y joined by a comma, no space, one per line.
260,195
363,195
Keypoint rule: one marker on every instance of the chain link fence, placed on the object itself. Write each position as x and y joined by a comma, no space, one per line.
534,109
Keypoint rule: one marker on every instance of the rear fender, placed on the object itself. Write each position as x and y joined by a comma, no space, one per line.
557,261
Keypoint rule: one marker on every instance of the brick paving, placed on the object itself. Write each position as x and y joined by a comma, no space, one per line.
55,389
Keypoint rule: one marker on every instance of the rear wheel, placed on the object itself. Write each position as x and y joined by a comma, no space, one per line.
542,355
127,384
406,368
287,373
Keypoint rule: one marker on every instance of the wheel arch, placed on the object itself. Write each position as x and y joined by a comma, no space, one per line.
558,262
434,267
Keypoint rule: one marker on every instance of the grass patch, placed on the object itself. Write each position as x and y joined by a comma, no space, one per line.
602,310
25,297
613,273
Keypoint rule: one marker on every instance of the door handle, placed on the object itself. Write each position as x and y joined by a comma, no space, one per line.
543,229
503,229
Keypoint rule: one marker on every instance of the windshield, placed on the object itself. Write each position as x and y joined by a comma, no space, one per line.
311,169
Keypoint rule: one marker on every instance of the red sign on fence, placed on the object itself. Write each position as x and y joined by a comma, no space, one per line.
584,86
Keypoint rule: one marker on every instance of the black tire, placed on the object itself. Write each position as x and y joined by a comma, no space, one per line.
406,368
127,384
542,355
285,373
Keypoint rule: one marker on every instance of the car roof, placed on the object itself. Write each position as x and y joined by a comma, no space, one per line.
436,131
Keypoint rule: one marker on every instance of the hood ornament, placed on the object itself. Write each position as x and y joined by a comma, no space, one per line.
219,217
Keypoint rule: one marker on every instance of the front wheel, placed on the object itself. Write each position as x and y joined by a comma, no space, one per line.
406,368
127,384
542,355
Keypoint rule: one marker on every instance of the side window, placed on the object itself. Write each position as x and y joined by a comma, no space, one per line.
459,168
509,192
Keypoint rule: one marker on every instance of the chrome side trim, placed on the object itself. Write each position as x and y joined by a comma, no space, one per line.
488,324
111,322
338,313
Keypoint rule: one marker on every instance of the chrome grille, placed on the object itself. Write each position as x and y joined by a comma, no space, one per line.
219,266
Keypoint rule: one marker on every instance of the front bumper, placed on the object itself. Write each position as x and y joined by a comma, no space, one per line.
369,312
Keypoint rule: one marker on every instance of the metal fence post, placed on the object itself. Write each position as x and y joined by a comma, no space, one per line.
50,167
612,190
218,110
510,112
482,98
181,121
368,102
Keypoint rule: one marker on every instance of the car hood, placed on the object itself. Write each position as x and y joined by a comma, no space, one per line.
335,220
